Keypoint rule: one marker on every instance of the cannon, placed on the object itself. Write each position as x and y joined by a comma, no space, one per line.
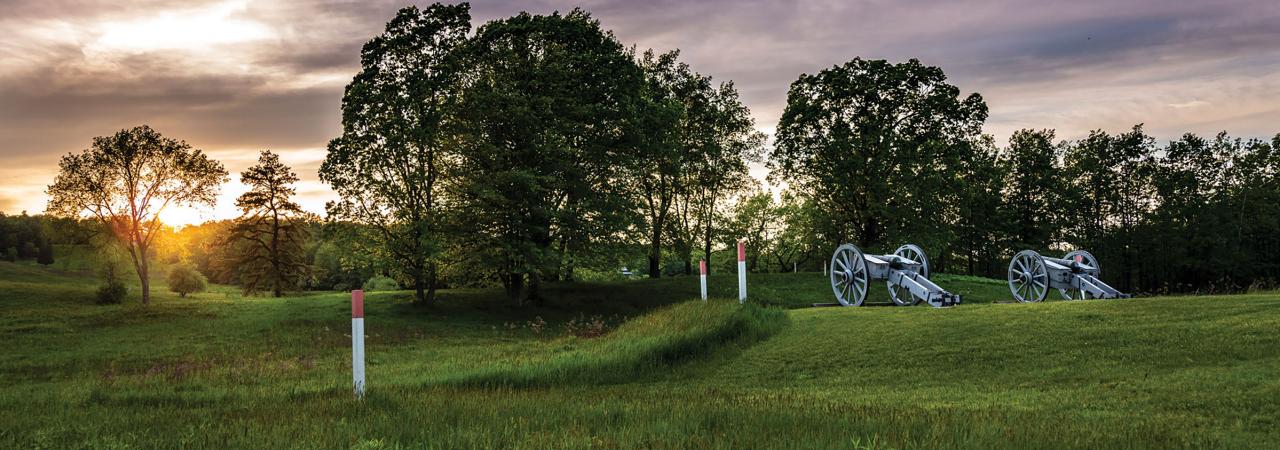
906,272
1075,276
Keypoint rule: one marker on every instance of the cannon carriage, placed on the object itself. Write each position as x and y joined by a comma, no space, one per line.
1076,276
906,272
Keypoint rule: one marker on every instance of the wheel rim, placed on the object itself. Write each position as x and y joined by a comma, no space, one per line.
1028,277
849,276
1087,258
900,294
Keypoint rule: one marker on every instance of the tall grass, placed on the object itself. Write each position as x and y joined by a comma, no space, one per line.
641,347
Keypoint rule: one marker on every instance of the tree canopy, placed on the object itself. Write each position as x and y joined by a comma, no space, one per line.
127,179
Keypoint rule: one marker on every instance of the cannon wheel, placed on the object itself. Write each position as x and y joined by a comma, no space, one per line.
1028,277
1087,258
900,294
849,275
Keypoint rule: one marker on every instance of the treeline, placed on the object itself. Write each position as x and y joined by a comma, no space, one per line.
26,237
538,148
880,154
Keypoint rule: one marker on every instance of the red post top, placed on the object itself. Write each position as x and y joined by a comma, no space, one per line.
357,304
702,266
742,251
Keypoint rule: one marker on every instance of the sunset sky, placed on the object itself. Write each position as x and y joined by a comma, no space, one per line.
236,77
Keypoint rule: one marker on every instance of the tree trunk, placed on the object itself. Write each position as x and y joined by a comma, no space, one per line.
144,277
139,254
419,290
535,282
706,248
431,284
514,285
655,248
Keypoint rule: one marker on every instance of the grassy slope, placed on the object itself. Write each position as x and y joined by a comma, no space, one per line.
219,370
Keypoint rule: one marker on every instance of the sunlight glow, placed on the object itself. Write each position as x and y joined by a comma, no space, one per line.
188,30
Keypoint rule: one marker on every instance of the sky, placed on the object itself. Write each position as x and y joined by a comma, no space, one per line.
234,77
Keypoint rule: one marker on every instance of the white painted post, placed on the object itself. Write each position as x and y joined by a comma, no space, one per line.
357,341
702,270
742,272
824,268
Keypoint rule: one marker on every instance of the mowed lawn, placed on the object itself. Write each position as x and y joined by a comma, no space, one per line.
221,370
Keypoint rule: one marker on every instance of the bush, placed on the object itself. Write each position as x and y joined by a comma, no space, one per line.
184,279
381,283
113,290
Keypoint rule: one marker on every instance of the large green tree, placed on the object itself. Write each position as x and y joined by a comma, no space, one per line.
388,166
547,139
724,142
1109,193
127,180
979,229
873,143
271,231
1032,199
663,158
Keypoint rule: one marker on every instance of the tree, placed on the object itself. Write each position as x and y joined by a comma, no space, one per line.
979,230
795,240
127,179
723,140
46,253
753,220
662,158
1031,198
272,229
547,141
388,164
872,143
183,279
1109,192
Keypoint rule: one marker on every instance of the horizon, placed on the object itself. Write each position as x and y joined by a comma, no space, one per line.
233,78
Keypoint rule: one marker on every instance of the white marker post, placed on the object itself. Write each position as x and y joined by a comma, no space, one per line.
702,270
357,341
742,272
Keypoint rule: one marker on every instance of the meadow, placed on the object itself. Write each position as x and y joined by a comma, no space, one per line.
637,363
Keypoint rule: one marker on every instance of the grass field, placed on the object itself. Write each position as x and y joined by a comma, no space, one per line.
221,370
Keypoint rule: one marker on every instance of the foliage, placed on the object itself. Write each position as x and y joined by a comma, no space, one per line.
271,230
546,139
1033,193
126,180
112,290
183,279
381,283
873,144
388,165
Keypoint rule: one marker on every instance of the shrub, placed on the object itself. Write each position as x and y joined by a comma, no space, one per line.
113,290
10,254
381,283
184,279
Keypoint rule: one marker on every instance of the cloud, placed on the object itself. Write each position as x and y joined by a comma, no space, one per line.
234,77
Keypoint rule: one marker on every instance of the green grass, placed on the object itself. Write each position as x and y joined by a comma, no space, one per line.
221,370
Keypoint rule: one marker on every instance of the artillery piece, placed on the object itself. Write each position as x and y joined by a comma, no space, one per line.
1075,276
906,272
